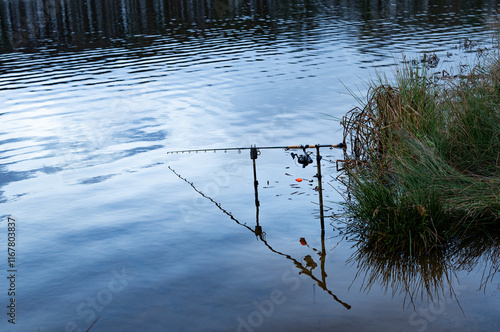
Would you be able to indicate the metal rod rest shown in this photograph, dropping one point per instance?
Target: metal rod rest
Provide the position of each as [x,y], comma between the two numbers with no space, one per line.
[320,189]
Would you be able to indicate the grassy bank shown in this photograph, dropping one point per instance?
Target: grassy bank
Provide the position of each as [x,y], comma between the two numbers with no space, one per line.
[423,166]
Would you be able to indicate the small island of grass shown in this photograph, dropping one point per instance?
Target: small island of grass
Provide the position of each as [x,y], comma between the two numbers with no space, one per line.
[423,164]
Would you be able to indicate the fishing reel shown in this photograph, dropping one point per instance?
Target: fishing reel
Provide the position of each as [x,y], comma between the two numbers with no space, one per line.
[303,159]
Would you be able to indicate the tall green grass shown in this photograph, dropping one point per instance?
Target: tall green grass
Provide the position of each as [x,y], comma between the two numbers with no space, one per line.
[424,165]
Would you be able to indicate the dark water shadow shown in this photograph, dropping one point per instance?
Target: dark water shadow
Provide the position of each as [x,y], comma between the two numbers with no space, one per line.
[74,25]
[432,277]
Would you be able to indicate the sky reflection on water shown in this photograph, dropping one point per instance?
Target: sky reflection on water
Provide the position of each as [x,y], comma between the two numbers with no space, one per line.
[94,93]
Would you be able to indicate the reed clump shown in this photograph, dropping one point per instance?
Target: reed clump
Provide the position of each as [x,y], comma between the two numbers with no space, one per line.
[423,166]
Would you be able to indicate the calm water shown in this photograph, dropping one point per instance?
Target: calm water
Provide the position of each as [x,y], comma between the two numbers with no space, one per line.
[94,94]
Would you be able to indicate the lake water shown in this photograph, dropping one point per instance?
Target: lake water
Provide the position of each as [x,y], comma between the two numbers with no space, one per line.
[94,94]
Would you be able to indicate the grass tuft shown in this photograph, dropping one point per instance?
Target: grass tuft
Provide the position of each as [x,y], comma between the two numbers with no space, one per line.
[424,160]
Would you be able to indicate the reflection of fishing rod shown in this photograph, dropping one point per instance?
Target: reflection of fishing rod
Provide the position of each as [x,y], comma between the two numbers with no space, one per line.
[291,147]
[258,232]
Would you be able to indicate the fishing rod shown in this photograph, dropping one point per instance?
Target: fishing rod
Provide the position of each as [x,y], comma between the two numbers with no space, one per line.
[304,159]
[291,147]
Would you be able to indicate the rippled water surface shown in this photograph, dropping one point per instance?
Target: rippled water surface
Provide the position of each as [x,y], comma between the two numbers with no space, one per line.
[109,226]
